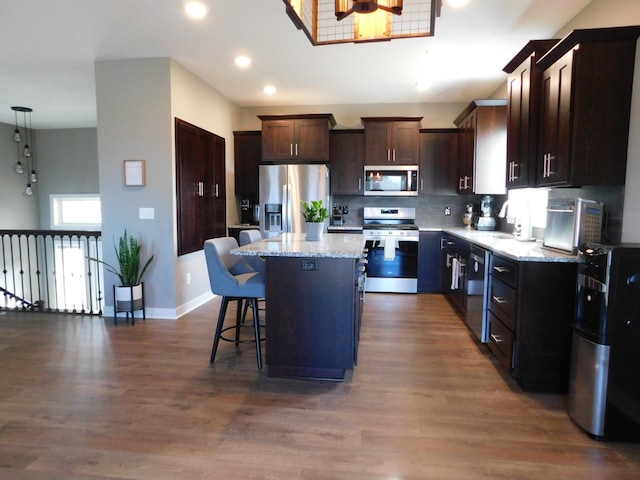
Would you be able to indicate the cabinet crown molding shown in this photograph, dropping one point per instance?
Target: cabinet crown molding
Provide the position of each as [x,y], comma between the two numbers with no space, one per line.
[589,35]
[302,116]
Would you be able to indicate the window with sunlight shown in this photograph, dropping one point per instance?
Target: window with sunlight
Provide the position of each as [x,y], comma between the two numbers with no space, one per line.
[76,212]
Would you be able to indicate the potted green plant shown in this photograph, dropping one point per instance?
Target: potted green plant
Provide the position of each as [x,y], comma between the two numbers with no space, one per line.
[129,294]
[315,214]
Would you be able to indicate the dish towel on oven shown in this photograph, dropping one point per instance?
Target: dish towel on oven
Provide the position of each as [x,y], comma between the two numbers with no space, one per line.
[455,273]
[389,248]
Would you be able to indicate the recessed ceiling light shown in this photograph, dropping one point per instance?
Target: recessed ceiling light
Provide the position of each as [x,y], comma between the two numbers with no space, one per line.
[196,10]
[269,89]
[242,61]
[457,3]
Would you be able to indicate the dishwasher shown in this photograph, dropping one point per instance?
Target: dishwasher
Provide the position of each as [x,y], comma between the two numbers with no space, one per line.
[477,292]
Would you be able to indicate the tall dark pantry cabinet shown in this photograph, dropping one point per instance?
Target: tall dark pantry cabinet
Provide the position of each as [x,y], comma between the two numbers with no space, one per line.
[200,186]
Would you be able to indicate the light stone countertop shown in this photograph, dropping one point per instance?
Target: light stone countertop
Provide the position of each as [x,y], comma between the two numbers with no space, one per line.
[245,226]
[332,245]
[506,244]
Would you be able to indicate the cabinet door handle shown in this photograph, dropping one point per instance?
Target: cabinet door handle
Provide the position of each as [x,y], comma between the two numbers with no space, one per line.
[460,180]
[216,191]
[394,155]
[500,269]
[296,149]
[549,171]
[201,189]
[388,155]
[359,184]
[496,338]
[498,300]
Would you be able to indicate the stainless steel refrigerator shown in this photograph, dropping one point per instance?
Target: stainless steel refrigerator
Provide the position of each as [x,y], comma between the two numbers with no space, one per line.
[282,190]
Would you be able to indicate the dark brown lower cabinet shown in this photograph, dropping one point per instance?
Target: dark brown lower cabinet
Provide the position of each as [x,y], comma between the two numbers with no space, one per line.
[313,317]
[200,186]
[531,309]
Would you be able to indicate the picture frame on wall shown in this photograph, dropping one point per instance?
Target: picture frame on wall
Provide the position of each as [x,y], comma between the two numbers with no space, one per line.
[135,173]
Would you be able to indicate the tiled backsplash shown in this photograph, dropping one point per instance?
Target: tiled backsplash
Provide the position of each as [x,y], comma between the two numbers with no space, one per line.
[430,209]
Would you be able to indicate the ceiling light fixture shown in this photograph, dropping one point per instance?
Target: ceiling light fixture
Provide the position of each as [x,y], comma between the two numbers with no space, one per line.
[196,10]
[457,3]
[27,151]
[270,90]
[242,61]
[342,21]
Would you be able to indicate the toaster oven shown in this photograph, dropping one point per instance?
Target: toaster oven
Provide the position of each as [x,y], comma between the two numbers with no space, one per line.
[571,222]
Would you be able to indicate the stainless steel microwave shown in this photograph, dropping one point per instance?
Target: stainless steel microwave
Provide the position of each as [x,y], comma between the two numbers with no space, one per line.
[391,180]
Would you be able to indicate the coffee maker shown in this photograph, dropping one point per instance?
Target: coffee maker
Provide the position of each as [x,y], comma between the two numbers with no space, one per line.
[246,212]
[485,220]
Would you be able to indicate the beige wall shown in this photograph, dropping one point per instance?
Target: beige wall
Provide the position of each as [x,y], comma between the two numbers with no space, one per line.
[198,103]
[435,115]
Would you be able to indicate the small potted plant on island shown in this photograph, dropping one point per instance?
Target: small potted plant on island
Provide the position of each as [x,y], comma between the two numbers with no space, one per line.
[315,215]
[129,295]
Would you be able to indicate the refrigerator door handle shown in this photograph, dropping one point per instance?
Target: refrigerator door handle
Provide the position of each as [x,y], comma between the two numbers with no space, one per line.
[286,208]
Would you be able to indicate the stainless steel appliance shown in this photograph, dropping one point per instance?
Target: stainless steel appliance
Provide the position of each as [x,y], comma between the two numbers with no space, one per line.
[477,292]
[391,240]
[571,222]
[282,190]
[486,221]
[604,391]
[336,216]
[391,180]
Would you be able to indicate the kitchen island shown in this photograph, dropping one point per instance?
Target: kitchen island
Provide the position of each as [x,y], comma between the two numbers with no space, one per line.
[314,295]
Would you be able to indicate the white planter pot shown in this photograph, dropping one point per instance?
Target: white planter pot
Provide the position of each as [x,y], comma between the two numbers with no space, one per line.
[314,231]
[129,298]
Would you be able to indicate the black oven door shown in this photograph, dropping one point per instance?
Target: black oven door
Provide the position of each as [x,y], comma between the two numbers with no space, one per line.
[401,263]
[392,265]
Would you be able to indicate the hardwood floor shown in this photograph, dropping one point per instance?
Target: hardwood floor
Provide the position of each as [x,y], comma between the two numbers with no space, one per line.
[83,399]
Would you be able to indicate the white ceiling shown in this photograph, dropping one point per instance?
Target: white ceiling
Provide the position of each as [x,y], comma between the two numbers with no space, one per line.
[48,49]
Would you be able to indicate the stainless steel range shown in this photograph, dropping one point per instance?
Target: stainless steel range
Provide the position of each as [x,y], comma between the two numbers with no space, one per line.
[391,239]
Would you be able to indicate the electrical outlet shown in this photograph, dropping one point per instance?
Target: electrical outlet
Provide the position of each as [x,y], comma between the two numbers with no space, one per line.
[345,209]
[447,211]
[188,279]
[308,265]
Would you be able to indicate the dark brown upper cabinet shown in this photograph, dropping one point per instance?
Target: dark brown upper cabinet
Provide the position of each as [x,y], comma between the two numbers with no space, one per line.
[200,186]
[391,140]
[482,147]
[523,90]
[346,149]
[247,154]
[438,161]
[296,138]
[585,108]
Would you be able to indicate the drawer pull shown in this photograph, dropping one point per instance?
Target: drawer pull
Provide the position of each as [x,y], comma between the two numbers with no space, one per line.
[498,300]
[496,338]
[499,269]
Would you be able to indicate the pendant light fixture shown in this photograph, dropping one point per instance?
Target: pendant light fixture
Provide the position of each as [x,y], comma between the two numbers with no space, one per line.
[27,151]
[366,6]
[341,21]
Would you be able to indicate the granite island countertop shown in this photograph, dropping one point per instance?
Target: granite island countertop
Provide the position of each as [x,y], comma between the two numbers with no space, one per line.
[332,245]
